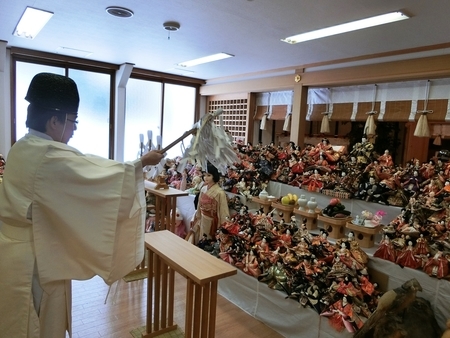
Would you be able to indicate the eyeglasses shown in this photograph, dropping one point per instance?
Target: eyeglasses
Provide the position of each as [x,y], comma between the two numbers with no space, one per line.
[74,121]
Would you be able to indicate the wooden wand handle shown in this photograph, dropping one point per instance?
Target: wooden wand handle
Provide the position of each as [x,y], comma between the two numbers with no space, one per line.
[182,137]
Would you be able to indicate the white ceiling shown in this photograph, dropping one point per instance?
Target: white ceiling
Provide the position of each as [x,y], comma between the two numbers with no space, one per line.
[249,29]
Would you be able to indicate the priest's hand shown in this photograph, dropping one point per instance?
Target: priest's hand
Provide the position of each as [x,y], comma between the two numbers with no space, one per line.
[152,157]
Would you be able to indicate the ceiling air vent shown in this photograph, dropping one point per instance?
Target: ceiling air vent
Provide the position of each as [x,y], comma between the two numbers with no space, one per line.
[120,12]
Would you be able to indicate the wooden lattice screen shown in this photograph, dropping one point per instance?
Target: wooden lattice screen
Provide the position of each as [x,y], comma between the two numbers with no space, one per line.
[235,117]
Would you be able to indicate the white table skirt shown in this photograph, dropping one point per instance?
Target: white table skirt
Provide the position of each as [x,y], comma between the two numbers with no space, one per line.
[286,316]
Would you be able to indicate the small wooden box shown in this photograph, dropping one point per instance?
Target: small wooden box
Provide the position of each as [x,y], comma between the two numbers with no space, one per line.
[265,204]
[334,226]
[311,217]
[363,235]
[286,210]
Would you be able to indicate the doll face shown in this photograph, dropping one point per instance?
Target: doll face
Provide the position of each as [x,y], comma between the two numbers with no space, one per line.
[208,178]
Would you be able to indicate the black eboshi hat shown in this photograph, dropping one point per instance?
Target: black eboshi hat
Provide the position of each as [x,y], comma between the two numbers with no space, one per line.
[53,91]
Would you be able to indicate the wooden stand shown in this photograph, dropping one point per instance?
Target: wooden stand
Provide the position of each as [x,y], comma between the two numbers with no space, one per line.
[311,217]
[363,235]
[286,210]
[168,254]
[334,226]
[265,204]
[165,205]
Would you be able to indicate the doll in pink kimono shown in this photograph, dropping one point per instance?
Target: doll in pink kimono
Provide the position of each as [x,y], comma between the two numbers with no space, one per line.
[180,226]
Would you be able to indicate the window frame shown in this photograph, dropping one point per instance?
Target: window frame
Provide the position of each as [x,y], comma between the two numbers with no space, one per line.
[67,62]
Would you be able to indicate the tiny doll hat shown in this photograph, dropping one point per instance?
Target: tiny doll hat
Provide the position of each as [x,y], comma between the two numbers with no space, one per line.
[53,91]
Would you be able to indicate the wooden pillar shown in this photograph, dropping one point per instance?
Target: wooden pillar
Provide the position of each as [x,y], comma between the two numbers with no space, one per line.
[299,110]
[416,147]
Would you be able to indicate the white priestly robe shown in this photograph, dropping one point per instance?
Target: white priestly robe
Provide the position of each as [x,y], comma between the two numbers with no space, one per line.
[65,216]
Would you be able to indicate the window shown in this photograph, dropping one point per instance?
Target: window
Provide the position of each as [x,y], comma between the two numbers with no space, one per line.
[92,134]
[179,108]
[143,107]
[146,103]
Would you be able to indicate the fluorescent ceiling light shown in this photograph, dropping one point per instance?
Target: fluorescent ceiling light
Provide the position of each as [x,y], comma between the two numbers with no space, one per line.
[347,27]
[177,69]
[31,22]
[205,59]
[73,52]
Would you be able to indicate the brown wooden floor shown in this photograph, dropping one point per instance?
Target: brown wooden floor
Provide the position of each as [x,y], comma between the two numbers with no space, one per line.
[125,311]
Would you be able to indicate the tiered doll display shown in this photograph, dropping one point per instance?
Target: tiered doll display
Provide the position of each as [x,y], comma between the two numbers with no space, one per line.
[416,238]
[332,278]
[308,268]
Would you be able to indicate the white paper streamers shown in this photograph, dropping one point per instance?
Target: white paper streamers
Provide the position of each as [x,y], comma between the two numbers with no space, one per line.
[211,144]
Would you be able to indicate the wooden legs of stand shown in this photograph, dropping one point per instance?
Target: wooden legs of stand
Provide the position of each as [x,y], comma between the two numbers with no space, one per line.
[201,301]
[201,310]
[165,213]
[160,297]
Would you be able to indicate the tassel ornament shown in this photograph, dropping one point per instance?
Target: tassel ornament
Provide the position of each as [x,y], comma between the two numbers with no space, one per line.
[325,126]
[370,126]
[263,121]
[422,128]
[287,123]
[437,141]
